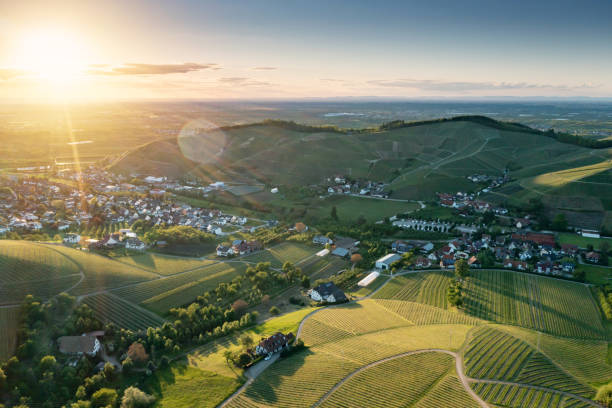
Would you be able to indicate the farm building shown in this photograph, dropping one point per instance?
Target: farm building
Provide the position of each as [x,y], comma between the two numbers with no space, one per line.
[223,250]
[322,240]
[590,233]
[79,345]
[385,262]
[135,244]
[368,279]
[273,344]
[327,292]
[341,252]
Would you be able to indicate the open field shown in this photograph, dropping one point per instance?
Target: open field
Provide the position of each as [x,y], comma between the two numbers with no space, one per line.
[351,208]
[163,264]
[102,272]
[9,322]
[550,305]
[582,242]
[279,254]
[110,308]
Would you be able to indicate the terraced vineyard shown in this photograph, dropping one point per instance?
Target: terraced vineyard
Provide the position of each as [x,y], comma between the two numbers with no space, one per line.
[395,383]
[163,264]
[9,321]
[550,305]
[110,308]
[496,355]
[163,294]
[279,254]
[102,272]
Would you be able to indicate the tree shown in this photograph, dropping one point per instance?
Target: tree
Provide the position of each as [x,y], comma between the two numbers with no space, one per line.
[244,359]
[334,213]
[604,395]
[228,356]
[239,307]
[2,379]
[559,222]
[104,397]
[246,341]
[604,247]
[462,268]
[109,371]
[127,364]
[356,258]
[135,398]
[305,282]
[47,363]
[275,311]
[137,353]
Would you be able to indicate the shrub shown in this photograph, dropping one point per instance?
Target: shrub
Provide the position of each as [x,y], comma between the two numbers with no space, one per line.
[275,311]
[104,397]
[135,398]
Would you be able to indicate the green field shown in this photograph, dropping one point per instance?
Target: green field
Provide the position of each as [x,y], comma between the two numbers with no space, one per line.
[9,321]
[351,208]
[279,254]
[110,308]
[163,264]
[582,242]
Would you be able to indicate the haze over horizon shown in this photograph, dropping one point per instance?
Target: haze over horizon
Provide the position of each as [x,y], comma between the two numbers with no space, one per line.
[288,49]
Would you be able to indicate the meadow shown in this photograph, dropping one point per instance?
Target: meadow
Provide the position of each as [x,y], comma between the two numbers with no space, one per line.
[582,242]
[281,253]
[163,264]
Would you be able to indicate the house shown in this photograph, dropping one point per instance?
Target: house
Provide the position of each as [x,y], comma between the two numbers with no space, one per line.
[592,257]
[569,249]
[348,243]
[135,244]
[447,262]
[514,264]
[386,261]
[322,240]
[327,292]
[79,345]
[239,246]
[422,262]
[223,250]
[473,262]
[253,246]
[273,344]
[400,246]
[72,239]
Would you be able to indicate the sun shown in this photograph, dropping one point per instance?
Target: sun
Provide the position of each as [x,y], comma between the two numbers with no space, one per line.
[52,55]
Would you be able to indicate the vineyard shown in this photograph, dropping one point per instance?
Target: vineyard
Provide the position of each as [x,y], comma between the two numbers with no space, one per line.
[13,293]
[545,304]
[163,264]
[163,294]
[9,321]
[102,272]
[24,261]
[394,383]
[497,355]
[110,308]
[524,397]
[279,254]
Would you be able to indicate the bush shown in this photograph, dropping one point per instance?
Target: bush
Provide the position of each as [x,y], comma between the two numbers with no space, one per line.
[104,397]
[604,395]
[275,311]
[135,398]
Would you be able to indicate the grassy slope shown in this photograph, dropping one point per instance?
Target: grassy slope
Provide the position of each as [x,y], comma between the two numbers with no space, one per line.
[163,264]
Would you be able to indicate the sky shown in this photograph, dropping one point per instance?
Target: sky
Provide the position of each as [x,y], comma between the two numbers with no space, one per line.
[286,49]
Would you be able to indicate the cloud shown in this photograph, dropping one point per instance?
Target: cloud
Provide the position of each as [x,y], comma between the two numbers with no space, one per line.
[460,86]
[153,69]
[264,68]
[242,81]
[8,73]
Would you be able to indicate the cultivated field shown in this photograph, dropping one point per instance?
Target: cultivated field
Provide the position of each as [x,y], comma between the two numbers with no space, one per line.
[279,254]
[25,261]
[163,264]
[496,355]
[102,272]
[524,397]
[426,287]
[161,295]
[550,305]
[110,308]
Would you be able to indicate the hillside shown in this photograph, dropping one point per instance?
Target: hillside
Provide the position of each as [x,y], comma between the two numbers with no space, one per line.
[416,159]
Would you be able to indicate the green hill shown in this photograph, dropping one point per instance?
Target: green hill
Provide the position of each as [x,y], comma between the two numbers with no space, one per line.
[415,159]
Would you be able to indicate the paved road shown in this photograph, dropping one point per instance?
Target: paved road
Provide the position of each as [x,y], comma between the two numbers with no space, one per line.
[251,374]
